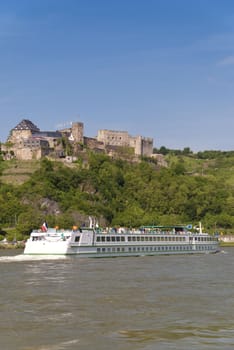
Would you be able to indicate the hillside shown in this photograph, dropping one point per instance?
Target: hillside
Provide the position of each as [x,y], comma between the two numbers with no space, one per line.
[17,172]
[193,188]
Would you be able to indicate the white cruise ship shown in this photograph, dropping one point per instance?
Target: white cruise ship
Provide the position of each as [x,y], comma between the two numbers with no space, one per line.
[90,242]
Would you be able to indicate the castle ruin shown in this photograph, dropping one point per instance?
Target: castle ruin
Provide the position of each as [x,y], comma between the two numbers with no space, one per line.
[142,146]
[26,141]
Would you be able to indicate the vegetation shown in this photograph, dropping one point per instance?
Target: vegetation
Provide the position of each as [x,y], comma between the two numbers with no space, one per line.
[193,188]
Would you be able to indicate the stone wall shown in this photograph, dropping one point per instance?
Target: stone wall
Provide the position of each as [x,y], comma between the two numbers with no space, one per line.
[93,143]
[29,153]
[17,135]
[113,138]
[227,238]
[143,146]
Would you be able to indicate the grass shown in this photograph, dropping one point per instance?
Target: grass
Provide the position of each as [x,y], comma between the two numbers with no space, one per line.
[16,172]
[226,244]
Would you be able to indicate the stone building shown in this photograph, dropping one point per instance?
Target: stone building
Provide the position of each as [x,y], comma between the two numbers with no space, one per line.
[143,146]
[26,141]
[75,133]
[23,130]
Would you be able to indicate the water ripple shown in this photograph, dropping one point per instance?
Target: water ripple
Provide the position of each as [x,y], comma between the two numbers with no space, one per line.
[175,333]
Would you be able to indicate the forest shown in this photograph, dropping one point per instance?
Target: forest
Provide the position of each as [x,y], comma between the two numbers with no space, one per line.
[192,188]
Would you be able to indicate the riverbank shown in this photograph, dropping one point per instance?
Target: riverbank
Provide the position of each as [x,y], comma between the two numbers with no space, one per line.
[226,244]
[18,245]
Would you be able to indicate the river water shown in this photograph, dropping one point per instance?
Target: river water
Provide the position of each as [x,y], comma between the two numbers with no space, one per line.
[151,303]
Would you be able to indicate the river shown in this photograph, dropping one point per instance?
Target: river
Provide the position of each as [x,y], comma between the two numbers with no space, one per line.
[151,303]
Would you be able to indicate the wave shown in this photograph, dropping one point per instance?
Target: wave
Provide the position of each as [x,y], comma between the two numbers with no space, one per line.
[23,258]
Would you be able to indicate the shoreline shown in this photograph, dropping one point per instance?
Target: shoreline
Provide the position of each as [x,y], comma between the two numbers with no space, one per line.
[227,244]
[12,245]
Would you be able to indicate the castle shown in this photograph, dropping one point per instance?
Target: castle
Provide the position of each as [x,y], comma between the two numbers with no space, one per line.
[26,141]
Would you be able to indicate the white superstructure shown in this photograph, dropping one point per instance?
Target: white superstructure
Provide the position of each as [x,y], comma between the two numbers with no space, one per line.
[89,242]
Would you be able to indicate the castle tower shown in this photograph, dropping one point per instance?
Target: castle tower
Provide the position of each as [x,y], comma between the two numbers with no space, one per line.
[23,130]
[78,132]
[143,146]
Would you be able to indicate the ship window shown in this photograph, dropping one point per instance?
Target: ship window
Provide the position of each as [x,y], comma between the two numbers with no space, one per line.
[122,239]
[98,250]
[77,238]
[138,238]
[108,238]
[103,239]
[98,239]
[133,238]
[113,239]
[129,238]
[103,249]
[118,239]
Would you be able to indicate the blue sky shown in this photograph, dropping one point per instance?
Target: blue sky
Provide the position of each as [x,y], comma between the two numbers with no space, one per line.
[156,68]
